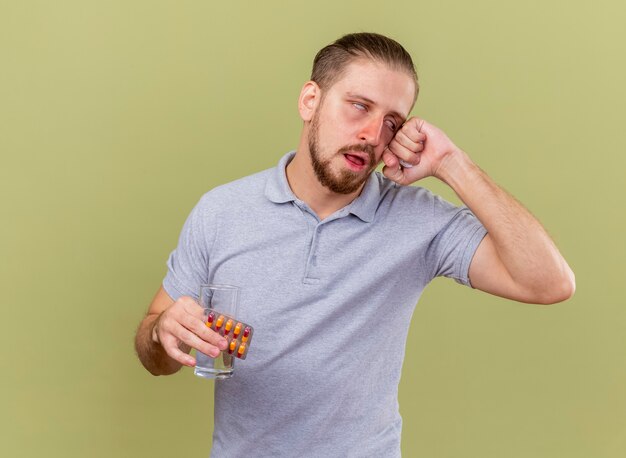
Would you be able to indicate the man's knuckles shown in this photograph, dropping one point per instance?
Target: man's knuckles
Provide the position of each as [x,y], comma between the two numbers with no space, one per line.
[187,302]
[411,133]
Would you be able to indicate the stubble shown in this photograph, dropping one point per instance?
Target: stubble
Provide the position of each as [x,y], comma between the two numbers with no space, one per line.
[343,181]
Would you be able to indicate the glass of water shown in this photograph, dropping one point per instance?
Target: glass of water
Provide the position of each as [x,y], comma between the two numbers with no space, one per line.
[223,299]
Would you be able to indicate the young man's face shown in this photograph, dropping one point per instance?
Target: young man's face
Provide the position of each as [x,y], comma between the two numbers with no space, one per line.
[356,121]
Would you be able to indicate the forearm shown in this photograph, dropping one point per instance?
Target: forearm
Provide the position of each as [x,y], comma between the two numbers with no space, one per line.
[150,352]
[524,247]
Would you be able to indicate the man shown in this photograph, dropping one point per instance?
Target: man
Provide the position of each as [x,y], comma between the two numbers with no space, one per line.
[332,258]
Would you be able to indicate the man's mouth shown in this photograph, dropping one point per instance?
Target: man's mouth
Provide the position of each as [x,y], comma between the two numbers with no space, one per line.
[356,161]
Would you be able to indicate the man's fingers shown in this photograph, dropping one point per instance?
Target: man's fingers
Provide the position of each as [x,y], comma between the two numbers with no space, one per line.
[182,325]
[410,138]
[192,317]
[413,131]
[199,328]
[392,168]
[211,337]
[402,152]
[390,159]
[189,338]
[405,141]
[171,348]
[394,174]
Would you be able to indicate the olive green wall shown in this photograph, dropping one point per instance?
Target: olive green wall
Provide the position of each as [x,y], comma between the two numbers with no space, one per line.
[115,116]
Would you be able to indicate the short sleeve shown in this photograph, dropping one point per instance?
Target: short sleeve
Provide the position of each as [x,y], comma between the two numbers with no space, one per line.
[451,251]
[188,264]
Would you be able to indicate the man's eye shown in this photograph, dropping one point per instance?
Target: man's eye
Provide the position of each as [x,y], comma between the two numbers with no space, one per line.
[360,106]
[391,125]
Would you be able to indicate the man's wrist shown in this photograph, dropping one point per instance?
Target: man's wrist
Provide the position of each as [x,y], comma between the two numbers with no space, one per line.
[456,168]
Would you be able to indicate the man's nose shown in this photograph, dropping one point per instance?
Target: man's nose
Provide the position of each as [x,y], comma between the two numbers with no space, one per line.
[371,131]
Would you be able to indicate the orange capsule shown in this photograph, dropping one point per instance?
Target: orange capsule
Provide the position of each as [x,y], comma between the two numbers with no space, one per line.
[246,333]
[231,347]
[241,350]
[210,318]
[219,322]
[237,330]
[228,327]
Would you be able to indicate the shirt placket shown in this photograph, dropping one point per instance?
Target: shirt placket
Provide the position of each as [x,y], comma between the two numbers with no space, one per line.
[313,270]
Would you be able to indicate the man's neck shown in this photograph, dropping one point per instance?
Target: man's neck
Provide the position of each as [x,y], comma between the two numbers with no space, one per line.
[306,187]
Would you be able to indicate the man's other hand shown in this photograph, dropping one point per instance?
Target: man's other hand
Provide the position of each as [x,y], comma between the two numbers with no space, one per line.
[181,327]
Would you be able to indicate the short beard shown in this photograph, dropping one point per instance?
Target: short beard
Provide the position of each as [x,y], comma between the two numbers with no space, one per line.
[347,182]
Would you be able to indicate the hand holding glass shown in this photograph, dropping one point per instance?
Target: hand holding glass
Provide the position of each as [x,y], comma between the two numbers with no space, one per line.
[224,299]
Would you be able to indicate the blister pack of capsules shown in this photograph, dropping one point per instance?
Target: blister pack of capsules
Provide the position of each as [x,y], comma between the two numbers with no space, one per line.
[237,333]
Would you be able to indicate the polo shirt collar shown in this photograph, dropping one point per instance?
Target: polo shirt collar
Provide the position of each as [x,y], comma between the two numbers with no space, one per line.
[277,188]
[364,206]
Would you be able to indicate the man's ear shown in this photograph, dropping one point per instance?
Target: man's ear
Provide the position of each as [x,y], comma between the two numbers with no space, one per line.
[310,96]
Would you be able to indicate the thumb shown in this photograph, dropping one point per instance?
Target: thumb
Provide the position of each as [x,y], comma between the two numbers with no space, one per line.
[392,169]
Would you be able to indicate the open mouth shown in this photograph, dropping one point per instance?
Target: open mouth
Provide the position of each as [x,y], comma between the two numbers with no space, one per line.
[356,162]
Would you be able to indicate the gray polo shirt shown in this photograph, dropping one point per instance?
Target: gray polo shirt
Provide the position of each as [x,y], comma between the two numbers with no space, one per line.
[331,302]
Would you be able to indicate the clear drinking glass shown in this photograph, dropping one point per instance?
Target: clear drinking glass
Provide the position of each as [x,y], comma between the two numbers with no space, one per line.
[224,299]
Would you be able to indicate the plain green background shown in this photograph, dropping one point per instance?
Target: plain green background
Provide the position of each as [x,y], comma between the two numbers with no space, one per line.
[116,116]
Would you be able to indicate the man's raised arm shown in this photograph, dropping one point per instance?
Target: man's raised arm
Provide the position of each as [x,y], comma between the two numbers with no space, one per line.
[517,259]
